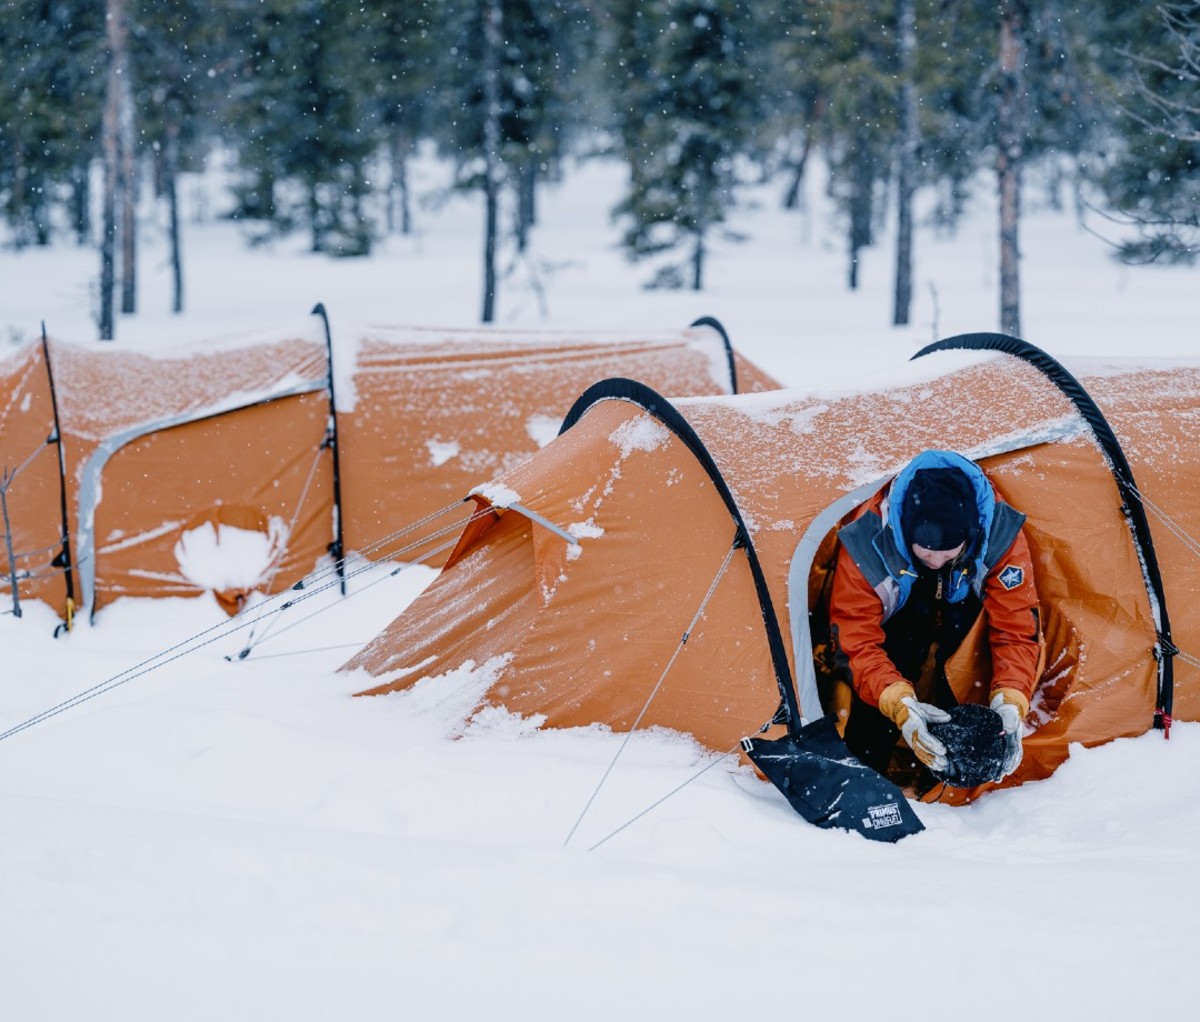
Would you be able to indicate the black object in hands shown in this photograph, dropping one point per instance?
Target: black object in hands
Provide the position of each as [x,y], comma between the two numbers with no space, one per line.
[975,746]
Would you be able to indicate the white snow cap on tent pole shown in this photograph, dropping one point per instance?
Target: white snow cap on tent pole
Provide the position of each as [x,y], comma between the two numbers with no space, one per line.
[501,496]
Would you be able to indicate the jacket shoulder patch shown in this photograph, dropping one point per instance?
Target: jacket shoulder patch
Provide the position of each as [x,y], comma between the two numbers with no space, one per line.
[1011,576]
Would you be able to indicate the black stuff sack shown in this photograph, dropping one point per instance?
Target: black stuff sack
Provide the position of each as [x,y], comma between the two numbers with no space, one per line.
[826,785]
[974,740]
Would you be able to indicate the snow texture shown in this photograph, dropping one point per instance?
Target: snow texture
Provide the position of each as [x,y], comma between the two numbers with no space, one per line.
[225,557]
[242,839]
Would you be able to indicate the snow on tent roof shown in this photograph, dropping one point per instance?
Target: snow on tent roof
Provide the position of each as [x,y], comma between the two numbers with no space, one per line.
[580,632]
[169,450]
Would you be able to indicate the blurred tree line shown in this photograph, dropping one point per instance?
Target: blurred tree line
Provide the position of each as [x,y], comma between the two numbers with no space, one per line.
[322,103]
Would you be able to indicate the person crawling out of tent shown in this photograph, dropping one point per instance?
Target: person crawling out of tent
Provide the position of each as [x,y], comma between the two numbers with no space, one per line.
[915,569]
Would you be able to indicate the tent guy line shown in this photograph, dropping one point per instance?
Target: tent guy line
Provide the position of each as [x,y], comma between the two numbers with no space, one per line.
[336,394]
[720,758]
[227,628]
[370,585]
[662,678]
[1171,525]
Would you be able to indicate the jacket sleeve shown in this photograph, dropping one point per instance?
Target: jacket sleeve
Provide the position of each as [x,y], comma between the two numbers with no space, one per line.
[856,614]
[1010,601]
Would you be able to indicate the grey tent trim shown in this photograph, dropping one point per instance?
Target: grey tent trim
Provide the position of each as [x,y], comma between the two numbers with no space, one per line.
[545,523]
[90,476]
[533,516]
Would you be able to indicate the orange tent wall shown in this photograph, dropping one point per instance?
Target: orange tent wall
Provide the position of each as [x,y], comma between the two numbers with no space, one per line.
[132,496]
[589,629]
[156,445]
[1156,414]
[30,464]
[261,469]
[584,632]
[436,412]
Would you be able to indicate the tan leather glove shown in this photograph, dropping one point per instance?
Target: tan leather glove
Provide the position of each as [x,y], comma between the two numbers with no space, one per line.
[1012,706]
[900,705]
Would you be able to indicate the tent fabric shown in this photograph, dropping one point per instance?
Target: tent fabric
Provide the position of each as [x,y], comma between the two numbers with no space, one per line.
[30,477]
[434,412]
[236,437]
[154,444]
[581,632]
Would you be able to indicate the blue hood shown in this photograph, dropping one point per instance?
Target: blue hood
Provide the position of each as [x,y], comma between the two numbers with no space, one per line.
[985,504]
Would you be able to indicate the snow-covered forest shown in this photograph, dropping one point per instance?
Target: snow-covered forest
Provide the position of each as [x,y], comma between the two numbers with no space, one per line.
[318,107]
[239,837]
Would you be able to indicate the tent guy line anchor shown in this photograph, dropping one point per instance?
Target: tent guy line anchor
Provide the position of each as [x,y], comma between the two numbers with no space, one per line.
[291,528]
[308,617]
[695,777]
[342,577]
[662,678]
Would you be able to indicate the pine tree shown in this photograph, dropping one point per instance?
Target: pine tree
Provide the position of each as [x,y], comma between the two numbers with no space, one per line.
[305,129]
[181,54]
[1154,180]
[50,100]
[402,37]
[505,104]
[698,115]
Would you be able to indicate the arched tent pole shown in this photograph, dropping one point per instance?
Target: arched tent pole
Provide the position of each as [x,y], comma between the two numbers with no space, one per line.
[1135,512]
[715,323]
[63,559]
[338,547]
[655,404]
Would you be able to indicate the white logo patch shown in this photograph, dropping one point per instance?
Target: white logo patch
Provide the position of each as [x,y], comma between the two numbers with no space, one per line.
[879,817]
[1011,576]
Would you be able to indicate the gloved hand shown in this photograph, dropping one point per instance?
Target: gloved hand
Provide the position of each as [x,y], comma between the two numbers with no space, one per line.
[900,705]
[1012,707]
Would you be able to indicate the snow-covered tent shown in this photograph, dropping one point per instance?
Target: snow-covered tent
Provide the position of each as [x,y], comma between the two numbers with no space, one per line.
[238,464]
[664,562]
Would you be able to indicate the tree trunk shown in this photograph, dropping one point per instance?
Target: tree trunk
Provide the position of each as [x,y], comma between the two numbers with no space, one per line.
[17,197]
[526,202]
[117,56]
[171,191]
[316,224]
[791,197]
[860,225]
[906,172]
[399,184]
[80,201]
[1010,137]
[128,192]
[492,39]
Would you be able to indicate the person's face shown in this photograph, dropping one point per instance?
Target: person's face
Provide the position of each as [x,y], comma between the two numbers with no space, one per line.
[936,559]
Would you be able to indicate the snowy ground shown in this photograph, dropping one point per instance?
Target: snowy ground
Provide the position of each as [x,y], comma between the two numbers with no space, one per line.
[240,839]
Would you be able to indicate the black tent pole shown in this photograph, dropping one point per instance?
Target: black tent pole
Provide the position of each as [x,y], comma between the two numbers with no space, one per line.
[63,560]
[715,323]
[1132,506]
[337,547]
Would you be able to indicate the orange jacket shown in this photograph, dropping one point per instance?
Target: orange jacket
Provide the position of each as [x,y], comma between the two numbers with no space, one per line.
[856,611]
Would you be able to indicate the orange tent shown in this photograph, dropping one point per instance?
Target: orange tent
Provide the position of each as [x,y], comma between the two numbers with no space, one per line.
[289,446]
[36,553]
[663,562]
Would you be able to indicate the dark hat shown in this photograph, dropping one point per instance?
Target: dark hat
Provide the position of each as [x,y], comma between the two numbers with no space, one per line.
[939,509]
[975,744]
